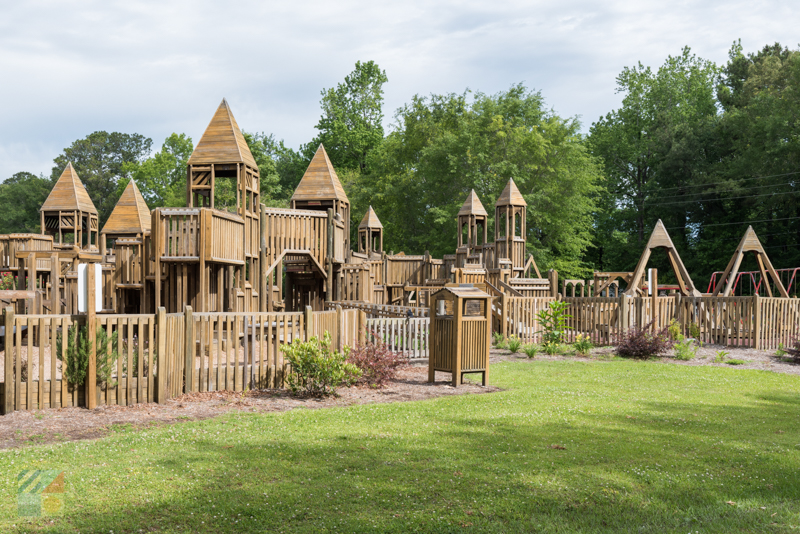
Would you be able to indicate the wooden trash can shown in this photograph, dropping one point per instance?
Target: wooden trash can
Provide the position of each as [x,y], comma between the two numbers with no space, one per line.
[461,332]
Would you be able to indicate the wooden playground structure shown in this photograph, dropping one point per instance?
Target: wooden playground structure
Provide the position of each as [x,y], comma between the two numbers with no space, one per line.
[202,297]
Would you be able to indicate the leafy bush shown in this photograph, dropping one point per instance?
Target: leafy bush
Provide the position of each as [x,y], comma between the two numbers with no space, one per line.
[377,363]
[674,330]
[694,332]
[78,348]
[552,348]
[513,344]
[316,369]
[530,350]
[781,352]
[733,361]
[553,321]
[685,349]
[794,352]
[583,344]
[499,340]
[720,356]
[642,344]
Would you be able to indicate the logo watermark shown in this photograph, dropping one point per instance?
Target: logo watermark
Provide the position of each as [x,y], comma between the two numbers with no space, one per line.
[40,493]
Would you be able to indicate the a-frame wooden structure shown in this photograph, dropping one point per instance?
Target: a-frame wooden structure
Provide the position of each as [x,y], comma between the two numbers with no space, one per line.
[68,209]
[749,243]
[473,216]
[659,238]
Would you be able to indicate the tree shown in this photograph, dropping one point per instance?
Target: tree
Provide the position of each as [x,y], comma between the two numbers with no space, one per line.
[654,149]
[445,145]
[162,177]
[352,118]
[265,151]
[100,160]
[21,197]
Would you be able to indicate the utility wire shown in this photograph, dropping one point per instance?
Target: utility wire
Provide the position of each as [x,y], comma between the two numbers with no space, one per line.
[726,181]
[721,199]
[717,191]
[732,223]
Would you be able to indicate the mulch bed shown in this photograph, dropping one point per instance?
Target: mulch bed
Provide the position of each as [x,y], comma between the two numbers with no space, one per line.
[23,428]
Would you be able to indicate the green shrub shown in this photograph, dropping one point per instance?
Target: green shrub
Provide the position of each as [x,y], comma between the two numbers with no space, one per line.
[674,330]
[553,321]
[499,340]
[694,332]
[75,369]
[513,344]
[781,352]
[685,349]
[583,344]
[316,369]
[530,350]
[552,348]
[720,356]
[733,361]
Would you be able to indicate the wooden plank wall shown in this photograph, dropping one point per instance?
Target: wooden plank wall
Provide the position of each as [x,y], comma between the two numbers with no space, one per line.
[401,270]
[296,230]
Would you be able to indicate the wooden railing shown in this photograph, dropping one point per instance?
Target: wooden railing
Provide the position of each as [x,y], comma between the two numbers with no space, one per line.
[226,237]
[409,337]
[296,230]
[380,310]
[401,270]
[177,233]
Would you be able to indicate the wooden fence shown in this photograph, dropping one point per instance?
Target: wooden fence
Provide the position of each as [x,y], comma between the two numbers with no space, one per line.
[409,337]
[757,322]
[380,310]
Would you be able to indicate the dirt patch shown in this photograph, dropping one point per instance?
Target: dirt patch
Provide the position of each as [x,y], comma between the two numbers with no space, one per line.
[24,428]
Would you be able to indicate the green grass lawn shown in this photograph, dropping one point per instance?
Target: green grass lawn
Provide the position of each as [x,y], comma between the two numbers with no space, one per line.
[568,447]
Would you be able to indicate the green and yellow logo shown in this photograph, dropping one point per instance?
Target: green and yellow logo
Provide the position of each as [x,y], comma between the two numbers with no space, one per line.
[40,492]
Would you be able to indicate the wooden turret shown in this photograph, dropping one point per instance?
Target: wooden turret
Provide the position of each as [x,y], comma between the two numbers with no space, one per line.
[131,216]
[320,190]
[370,234]
[69,210]
[473,216]
[509,228]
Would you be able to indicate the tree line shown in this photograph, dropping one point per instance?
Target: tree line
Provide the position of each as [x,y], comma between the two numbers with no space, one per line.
[709,149]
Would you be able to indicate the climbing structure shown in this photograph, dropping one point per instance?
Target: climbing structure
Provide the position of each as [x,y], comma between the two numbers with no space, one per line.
[509,229]
[750,243]
[370,235]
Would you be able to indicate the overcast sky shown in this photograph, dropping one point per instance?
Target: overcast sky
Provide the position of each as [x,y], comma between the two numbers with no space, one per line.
[70,68]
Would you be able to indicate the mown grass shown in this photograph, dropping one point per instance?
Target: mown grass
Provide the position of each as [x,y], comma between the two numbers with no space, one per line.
[568,447]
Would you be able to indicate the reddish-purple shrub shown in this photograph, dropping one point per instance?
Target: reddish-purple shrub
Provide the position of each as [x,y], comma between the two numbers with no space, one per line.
[642,343]
[378,364]
[794,351]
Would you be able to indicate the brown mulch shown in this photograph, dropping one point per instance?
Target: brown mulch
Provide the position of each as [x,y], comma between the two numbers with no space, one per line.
[23,428]
[760,360]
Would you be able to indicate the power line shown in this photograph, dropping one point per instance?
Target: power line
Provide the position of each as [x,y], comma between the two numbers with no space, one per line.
[721,199]
[657,199]
[741,222]
[726,181]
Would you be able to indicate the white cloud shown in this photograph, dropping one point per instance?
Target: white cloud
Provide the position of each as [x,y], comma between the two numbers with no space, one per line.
[160,67]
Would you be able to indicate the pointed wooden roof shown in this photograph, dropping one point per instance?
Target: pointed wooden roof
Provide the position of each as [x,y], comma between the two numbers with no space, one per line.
[320,181]
[222,142]
[68,194]
[473,206]
[370,220]
[659,238]
[131,214]
[749,243]
[511,196]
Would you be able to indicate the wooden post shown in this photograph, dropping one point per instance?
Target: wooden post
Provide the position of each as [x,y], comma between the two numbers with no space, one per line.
[8,315]
[188,347]
[331,225]
[31,282]
[624,322]
[161,325]
[459,332]
[654,298]
[757,329]
[504,314]
[264,289]
[309,318]
[55,282]
[553,275]
[339,328]
[362,327]
[91,329]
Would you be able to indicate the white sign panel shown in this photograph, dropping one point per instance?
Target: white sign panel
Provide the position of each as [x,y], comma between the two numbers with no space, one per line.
[83,287]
